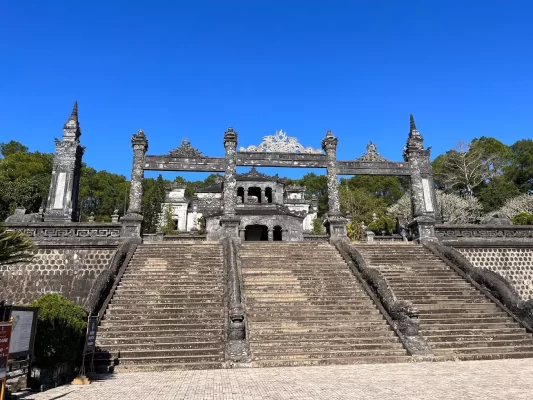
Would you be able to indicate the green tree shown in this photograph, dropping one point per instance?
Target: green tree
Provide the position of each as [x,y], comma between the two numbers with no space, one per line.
[153,197]
[520,170]
[24,178]
[60,331]
[101,193]
[12,147]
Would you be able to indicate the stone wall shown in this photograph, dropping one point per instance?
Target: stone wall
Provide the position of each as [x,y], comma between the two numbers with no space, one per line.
[72,271]
[515,264]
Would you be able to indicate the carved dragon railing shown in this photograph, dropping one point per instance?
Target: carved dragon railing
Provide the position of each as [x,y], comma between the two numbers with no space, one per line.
[401,314]
[495,286]
[237,345]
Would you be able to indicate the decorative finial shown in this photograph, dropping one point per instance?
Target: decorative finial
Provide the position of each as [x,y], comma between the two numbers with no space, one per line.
[230,129]
[74,114]
[328,133]
[412,125]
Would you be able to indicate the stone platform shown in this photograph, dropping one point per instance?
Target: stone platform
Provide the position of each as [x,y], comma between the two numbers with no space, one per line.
[500,379]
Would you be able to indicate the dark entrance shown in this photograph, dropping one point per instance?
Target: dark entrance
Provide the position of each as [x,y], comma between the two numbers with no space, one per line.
[255,233]
[278,236]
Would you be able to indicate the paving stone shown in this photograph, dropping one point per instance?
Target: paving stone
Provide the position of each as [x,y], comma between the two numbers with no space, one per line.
[501,379]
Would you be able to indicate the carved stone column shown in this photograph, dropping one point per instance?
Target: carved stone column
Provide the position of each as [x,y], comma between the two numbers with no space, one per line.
[263,196]
[133,218]
[270,235]
[230,223]
[336,222]
[62,204]
[423,197]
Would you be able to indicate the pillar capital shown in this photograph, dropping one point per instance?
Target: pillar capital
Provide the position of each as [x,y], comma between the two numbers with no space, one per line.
[139,141]
[230,137]
[329,142]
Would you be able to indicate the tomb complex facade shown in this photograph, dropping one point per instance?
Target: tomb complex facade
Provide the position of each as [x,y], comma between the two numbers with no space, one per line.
[241,281]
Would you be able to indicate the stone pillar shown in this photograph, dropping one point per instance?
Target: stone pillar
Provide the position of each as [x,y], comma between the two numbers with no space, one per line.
[245,197]
[263,196]
[336,222]
[229,221]
[423,197]
[131,222]
[62,204]
[270,235]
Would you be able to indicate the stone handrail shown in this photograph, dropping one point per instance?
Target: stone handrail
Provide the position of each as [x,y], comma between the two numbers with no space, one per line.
[237,345]
[404,316]
[492,284]
[118,266]
[68,230]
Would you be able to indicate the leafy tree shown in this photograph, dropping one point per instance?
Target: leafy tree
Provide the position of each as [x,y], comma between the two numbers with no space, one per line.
[168,226]
[12,147]
[60,331]
[360,204]
[101,193]
[24,178]
[14,247]
[382,224]
[520,170]
[463,168]
[153,197]
[388,188]
[318,228]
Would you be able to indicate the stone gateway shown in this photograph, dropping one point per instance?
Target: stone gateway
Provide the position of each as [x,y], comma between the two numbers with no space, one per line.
[242,282]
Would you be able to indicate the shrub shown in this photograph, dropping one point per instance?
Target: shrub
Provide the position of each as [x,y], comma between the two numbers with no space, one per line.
[318,228]
[354,230]
[60,331]
[382,224]
[523,218]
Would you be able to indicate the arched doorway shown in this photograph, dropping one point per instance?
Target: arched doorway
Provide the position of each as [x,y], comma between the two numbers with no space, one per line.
[256,233]
[278,234]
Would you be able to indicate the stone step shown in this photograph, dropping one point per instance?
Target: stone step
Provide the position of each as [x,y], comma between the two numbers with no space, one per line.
[275,348]
[172,315]
[324,341]
[475,319]
[174,307]
[472,325]
[481,343]
[216,352]
[305,309]
[176,330]
[331,361]
[167,367]
[159,323]
[467,313]
[162,342]
[464,332]
[259,355]
[309,324]
[151,360]
[483,349]
[330,335]
[183,291]
[295,316]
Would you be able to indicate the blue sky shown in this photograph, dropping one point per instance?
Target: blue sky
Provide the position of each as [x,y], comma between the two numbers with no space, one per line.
[192,68]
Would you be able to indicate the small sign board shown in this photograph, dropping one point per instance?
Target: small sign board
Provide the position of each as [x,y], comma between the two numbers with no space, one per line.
[92,328]
[5,335]
[23,332]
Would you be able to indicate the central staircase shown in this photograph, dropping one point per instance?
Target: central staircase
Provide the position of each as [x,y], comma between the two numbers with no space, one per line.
[305,307]
[168,310]
[457,320]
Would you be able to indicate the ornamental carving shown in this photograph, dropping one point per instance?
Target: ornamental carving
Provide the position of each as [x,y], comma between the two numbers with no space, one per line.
[255,174]
[371,154]
[185,150]
[280,143]
[85,232]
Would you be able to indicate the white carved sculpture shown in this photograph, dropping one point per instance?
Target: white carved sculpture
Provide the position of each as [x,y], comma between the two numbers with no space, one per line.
[280,143]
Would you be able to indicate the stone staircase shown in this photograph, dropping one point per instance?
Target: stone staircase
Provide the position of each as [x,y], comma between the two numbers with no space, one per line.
[305,307]
[168,310]
[457,320]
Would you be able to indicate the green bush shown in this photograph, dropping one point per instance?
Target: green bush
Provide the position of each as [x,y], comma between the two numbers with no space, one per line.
[382,224]
[60,331]
[354,231]
[523,218]
[318,228]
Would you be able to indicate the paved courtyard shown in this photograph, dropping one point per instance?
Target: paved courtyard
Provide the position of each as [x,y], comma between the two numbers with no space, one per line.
[504,379]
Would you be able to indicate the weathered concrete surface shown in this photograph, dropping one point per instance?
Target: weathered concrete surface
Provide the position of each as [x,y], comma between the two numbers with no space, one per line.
[502,379]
